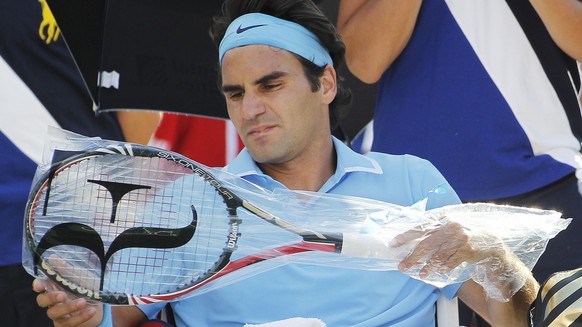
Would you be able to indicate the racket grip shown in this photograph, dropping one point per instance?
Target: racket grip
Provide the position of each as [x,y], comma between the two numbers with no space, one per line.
[369,246]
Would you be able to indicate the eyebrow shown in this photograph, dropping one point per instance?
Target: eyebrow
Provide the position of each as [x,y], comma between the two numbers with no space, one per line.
[269,77]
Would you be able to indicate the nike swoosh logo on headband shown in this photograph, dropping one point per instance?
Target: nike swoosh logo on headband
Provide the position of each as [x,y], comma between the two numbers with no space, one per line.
[241,29]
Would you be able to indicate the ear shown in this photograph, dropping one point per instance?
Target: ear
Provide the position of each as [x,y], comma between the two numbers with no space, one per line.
[328,84]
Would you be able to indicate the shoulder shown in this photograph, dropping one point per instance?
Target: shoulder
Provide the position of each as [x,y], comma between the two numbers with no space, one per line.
[398,179]
[408,162]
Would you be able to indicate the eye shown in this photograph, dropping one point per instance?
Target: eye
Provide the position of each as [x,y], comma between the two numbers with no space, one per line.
[234,96]
[271,86]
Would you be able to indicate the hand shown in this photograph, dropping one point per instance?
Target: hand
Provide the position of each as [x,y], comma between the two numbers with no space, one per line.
[63,308]
[442,247]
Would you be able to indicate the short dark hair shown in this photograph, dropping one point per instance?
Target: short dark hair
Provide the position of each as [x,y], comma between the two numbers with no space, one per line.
[307,14]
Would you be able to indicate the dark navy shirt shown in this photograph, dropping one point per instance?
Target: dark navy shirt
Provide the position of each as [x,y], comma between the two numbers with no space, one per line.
[40,87]
[482,92]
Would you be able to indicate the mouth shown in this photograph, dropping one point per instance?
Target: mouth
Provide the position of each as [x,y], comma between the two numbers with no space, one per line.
[260,130]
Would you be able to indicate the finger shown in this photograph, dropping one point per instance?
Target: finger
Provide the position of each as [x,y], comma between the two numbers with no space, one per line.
[422,248]
[52,298]
[417,232]
[441,262]
[39,285]
[406,237]
[71,313]
[444,240]
[76,320]
[454,248]
[73,273]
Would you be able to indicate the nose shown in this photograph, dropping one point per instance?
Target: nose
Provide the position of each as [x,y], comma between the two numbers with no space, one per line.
[252,106]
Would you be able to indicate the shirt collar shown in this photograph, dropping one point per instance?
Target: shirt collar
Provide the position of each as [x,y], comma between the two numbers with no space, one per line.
[348,161]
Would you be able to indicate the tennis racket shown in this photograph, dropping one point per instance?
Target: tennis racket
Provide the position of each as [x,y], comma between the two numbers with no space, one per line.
[132,224]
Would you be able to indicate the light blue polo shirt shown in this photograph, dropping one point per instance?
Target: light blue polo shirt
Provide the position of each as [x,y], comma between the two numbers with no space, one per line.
[338,296]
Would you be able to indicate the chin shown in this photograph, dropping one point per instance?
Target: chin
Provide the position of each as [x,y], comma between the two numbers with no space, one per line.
[265,156]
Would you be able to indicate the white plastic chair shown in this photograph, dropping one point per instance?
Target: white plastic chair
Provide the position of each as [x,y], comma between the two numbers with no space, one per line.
[447,312]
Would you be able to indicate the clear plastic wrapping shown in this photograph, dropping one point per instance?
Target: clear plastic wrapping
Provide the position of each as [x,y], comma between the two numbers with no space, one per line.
[376,235]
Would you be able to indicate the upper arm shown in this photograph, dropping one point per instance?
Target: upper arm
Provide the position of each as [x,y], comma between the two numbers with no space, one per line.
[563,20]
[138,126]
[375,33]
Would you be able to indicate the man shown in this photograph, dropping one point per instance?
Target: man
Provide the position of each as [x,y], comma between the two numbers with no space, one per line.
[487,92]
[277,61]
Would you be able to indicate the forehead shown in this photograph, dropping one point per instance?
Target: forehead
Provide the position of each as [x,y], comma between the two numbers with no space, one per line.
[258,58]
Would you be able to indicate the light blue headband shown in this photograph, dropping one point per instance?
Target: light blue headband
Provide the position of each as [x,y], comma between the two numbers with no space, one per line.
[258,28]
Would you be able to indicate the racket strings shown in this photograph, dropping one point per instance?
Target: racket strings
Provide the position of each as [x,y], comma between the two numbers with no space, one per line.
[166,204]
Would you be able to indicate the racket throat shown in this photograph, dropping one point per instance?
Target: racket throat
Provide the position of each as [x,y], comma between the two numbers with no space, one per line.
[323,242]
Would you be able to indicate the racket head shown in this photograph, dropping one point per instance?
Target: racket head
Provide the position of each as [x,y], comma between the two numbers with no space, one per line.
[129,224]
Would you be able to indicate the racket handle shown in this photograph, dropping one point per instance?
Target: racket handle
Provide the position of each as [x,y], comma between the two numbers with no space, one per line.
[370,246]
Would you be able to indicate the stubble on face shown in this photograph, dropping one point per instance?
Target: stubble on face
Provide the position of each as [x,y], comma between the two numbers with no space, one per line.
[280,118]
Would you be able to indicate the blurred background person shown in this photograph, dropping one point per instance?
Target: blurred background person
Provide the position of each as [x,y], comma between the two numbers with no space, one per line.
[39,87]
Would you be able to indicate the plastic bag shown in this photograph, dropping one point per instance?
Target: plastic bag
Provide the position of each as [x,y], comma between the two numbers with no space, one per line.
[376,235]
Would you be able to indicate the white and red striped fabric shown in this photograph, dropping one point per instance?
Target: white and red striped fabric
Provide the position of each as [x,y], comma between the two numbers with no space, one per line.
[209,141]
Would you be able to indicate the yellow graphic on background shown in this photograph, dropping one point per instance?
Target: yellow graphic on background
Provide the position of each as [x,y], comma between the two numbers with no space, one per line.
[48,24]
